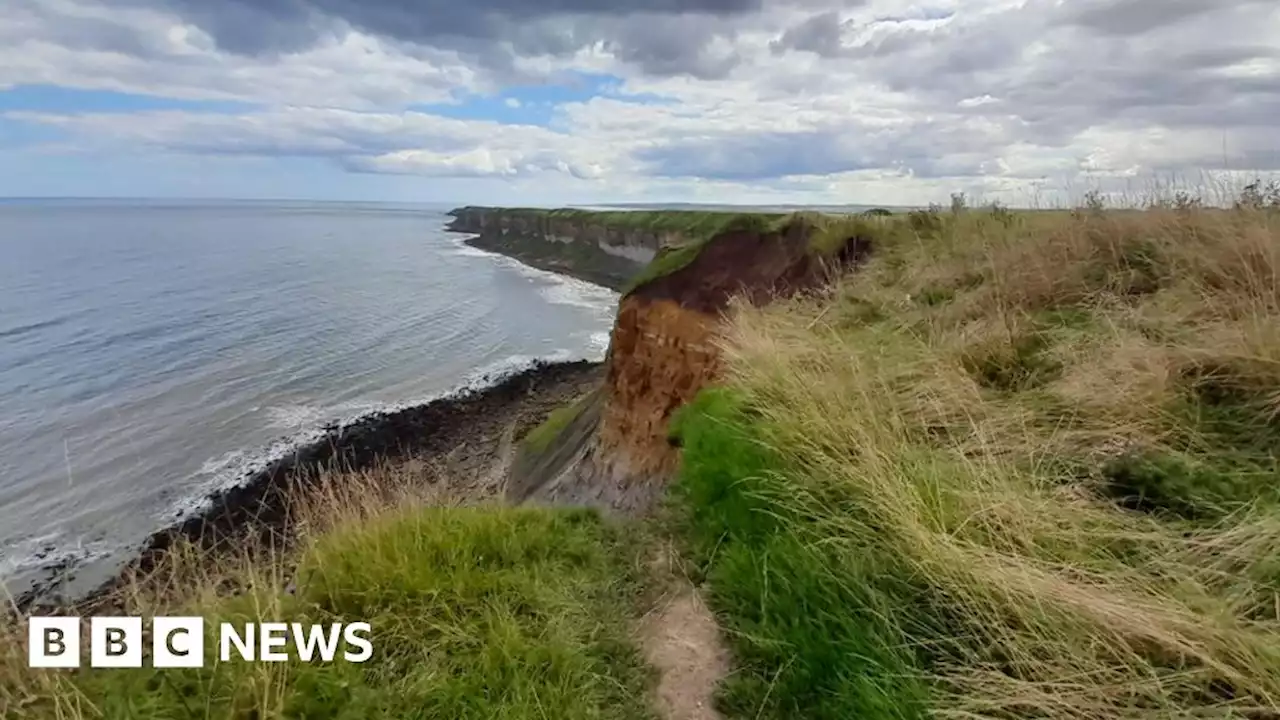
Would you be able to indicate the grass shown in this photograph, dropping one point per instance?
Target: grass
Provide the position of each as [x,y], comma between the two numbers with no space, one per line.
[476,612]
[701,229]
[691,225]
[666,262]
[540,438]
[1020,465]
[829,236]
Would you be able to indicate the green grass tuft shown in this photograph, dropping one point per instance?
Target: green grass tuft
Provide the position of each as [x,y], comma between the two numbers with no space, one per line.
[813,633]
[476,612]
[696,234]
[540,438]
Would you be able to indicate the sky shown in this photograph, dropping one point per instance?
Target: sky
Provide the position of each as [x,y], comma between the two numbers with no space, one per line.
[545,102]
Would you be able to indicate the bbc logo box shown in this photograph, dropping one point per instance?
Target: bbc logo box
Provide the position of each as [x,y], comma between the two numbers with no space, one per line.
[115,642]
[179,642]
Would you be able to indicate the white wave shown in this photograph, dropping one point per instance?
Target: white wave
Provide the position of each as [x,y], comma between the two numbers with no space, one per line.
[295,417]
[308,424]
[500,370]
[303,424]
[572,291]
[461,249]
[235,467]
[51,550]
[557,289]
[599,344]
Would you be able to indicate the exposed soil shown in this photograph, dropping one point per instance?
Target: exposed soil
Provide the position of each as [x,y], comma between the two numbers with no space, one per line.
[663,351]
[618,456]
[681,640]
[470,434]
[754,265]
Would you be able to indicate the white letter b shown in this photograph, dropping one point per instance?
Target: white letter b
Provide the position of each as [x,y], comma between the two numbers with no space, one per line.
[115,642]
[53,642]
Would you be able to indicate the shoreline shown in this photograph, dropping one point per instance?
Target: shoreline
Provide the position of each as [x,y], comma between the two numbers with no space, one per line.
[596,267]
[470,423]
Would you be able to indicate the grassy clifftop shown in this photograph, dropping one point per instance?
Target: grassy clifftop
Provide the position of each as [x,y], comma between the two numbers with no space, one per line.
[609,248]
[693,223]
[1022,465]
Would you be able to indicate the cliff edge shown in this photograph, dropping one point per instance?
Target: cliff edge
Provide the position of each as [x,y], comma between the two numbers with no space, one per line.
[606,248]
[611,449]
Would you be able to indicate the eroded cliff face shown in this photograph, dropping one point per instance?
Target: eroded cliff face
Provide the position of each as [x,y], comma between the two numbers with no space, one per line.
[578,244]
[664,349]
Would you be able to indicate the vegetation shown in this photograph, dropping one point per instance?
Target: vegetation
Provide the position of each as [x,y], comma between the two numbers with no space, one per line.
[540,437]
[694,225]
[476,612]
[673,258]
[667,261]
[1020,465]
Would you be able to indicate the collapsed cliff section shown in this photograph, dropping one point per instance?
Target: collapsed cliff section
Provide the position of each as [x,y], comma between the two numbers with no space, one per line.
[614,452]
[606,248]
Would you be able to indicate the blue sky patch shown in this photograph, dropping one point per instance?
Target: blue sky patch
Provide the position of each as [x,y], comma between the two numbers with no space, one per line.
[19,134]
[74,101]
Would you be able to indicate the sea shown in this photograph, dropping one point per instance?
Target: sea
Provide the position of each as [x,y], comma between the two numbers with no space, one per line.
[154,352]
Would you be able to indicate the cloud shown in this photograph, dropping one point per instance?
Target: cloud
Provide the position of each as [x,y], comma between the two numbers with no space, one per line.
[140,50]
[877,99]
[1129,17]
[658,36]
[820,34]
[759,156]
[395,143]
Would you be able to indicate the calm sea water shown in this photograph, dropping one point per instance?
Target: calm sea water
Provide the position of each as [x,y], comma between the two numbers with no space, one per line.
[150,353]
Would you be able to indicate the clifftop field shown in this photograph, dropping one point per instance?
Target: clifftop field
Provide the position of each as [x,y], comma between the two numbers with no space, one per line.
[1016,465]
[1021,465]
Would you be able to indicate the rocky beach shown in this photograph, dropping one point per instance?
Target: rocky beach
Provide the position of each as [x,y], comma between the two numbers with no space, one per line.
[467,435]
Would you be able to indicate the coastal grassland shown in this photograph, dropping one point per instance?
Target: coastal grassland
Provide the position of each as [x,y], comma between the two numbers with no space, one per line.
[673,258]
[476,611]
[691,224]
[1020,465]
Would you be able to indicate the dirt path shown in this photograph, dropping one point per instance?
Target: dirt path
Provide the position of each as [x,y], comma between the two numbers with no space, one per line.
[682,641]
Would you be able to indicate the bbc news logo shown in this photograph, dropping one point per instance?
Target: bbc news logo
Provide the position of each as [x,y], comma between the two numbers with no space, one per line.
[178,642]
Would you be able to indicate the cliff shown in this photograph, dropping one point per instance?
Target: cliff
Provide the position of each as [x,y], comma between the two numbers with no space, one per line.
[606,248]
[614,452]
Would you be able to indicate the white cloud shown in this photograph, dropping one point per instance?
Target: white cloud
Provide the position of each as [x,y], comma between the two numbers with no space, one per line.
[104,47]
[886,101]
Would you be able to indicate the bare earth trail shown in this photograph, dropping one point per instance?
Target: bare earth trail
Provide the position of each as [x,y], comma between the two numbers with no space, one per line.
[681,640]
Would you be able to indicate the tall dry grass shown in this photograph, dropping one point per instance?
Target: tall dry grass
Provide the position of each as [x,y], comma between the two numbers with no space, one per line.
[190,578]
[968,410]
[477,611]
